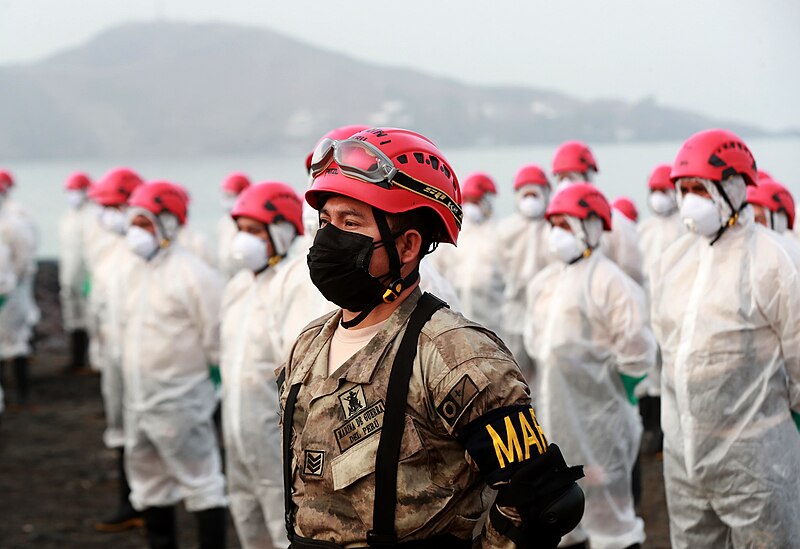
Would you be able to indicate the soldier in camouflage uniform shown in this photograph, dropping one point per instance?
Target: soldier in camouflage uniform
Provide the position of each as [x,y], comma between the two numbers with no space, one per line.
[396,412]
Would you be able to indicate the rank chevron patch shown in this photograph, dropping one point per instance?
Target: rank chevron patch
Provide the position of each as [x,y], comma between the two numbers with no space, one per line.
[314,462]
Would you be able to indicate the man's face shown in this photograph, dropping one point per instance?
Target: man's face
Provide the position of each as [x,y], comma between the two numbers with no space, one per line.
[760,214]
[693,186]
[255,228]
[354,216]
[143,223]
[560,221]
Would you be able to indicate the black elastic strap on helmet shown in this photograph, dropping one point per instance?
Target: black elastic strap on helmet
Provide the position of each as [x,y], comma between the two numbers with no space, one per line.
[732,219]
[587,252]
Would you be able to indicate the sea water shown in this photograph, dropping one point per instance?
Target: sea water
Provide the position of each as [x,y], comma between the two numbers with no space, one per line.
[624,168]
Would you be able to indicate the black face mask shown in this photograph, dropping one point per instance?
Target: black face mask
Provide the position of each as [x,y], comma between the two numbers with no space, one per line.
[339,266]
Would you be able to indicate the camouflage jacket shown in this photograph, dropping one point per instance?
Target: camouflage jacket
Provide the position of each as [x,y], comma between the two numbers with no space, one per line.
[461,371]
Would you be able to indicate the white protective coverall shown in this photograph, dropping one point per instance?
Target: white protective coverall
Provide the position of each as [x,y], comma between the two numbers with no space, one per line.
[27,224]
[226,232]
[523,249]
[621,245]
[197,243]
[170,335]
[104,322]
[656,234]
[727,318]
[8,280]
[250,412]
[19,312]
[586,324]
[475,272]
[72,269]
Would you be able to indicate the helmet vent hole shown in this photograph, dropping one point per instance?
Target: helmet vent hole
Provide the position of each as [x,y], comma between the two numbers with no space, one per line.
[419,157]
[402,159]
[434,162]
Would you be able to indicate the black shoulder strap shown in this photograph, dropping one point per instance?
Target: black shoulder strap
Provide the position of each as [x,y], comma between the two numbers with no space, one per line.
[288,421]
[388,456]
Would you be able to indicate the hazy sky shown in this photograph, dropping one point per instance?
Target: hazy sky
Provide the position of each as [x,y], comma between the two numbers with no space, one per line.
[733,59]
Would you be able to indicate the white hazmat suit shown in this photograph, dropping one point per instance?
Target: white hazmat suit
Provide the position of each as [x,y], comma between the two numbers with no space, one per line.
[226,231]
[522,244]
[250,411]
[170,336]
[8,280]
[621,245]
[72,269]
[727,318]
[586,326]
[18,312]
[475,272]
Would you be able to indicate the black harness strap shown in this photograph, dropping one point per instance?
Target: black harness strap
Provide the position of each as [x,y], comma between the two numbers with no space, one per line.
[388,455]
[288,421]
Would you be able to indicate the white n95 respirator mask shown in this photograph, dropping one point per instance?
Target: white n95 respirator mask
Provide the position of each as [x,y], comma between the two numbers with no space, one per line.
[700,215]
[250,251]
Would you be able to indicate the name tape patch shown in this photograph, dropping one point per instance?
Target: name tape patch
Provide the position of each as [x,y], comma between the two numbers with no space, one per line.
[459,397]
[359,427]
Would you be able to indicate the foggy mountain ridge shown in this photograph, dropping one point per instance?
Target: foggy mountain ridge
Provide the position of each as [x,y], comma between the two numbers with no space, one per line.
[184,89]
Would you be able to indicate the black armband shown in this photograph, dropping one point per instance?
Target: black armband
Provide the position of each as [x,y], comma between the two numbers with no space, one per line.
[503,440]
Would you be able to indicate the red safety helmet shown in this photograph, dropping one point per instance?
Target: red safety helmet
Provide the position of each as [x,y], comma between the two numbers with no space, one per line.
[424,178]
[775,197]
[530,174]
[115,187]
[659,178]
[626,207]
[235,183]
[77,181]
[763,176]
[338,134]
[270,202]
[715,155]
[580,200]
[6,180]
[158,197]
[574,156]
[478,184]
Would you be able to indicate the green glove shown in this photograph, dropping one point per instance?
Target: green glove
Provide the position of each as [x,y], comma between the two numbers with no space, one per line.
[214,374]
[2,300]
[630,383]
[87,285]
[796,418]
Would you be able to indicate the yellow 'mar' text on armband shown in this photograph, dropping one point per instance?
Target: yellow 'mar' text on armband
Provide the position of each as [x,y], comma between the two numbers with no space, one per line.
[514,447]
[504,439]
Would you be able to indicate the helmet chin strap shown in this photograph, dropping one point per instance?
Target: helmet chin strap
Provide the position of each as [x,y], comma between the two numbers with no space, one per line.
[732,219]
[398,284]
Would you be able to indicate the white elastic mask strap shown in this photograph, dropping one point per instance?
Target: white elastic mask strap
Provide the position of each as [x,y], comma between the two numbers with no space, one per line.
[282,234]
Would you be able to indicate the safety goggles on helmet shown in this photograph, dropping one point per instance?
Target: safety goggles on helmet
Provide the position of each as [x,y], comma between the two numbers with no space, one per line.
[365,162]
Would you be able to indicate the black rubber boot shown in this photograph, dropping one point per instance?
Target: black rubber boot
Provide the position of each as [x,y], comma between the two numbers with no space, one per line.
[23,377]
[211,525]
[159,522]
[79,352]
[653,437]
[125,517]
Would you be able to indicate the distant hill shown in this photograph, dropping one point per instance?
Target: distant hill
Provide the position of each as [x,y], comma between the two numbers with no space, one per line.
[184,89]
